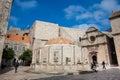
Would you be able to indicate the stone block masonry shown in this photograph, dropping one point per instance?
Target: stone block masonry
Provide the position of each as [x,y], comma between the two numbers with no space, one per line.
[5,6]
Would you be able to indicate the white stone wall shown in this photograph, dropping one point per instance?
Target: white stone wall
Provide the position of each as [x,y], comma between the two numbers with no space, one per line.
[115,23]
[45,30]
[5,6]
[71,33]
[19,50]
[46,58]
[100,46]
[117,45]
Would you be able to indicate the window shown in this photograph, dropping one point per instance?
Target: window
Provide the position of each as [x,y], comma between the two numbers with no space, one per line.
[38,57]
[56,56]
[92,38]
[8,36]
[22,38]
[23,48]
[15,47]
[80,39]
[68,60]
[6,45]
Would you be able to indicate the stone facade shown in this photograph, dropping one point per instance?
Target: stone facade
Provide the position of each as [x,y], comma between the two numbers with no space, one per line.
[115,23]
[48,38]
[19,31]
[41,32]
[18,40]
[96,47]
[81,47]
[5,6]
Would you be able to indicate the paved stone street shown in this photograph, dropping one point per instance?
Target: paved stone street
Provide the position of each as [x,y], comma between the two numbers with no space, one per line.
[21,74]
[110,74]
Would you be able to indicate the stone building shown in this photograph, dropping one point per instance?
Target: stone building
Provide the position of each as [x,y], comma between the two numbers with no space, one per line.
[18,40]
[19,31]
[115,23]
[55,48]
[98,46]
[5,6]
[64,49]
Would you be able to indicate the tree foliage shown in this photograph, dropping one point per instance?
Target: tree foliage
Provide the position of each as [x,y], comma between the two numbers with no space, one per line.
[26,56]
[8,53]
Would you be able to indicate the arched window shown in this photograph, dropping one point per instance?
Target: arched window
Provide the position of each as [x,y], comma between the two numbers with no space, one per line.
[80,39]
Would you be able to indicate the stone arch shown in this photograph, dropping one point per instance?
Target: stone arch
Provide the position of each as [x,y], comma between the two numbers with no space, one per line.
[92,56]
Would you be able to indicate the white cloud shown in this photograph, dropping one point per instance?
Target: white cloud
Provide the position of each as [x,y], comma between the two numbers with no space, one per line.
[95,14]
[109,5]
[26,4]
[73,10]
[105,22]
[84,16]
[14,20]
[85,26]
[99,15]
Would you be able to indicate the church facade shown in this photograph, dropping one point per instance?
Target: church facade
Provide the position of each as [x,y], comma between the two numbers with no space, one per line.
[61,49]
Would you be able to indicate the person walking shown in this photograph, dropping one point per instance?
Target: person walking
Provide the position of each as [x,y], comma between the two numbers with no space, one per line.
[16,66]
[103,64]
[93,66]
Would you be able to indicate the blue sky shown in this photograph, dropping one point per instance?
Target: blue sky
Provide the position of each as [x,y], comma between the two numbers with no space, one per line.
[68,13]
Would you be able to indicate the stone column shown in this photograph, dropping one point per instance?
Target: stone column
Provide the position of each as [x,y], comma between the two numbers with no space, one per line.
[74,55]
[39,55]
[48,55]
[5,6]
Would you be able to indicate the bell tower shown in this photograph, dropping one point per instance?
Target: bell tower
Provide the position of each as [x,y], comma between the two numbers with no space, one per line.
[115,24]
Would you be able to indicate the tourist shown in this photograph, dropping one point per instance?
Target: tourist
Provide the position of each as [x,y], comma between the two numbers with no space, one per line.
[16,66]
[103,64]
[93,66]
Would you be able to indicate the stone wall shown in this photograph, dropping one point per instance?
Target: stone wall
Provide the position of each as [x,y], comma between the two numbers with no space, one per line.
[13,30]
[71,33]
[41,32]
[45,30]
[20,46]
[115,23]
[117,45]
[96,46]
[5,6]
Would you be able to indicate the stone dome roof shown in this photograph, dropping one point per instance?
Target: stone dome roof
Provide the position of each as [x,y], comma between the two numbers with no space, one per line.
[59,40]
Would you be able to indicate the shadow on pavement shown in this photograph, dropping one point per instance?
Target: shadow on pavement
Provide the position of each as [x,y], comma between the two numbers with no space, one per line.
[53,78]
[86,72]
[7,69]
[65,77]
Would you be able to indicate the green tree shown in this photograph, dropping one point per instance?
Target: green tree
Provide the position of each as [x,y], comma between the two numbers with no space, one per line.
[26,56]
[8,53]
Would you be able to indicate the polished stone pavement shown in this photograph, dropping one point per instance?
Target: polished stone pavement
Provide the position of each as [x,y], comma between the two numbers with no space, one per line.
[109,74]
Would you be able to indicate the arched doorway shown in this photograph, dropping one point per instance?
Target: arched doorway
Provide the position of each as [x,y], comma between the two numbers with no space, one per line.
[93,56]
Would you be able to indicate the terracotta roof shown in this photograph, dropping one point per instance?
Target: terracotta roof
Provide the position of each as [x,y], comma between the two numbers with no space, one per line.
[59,40]
[19,38]
[115,15]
